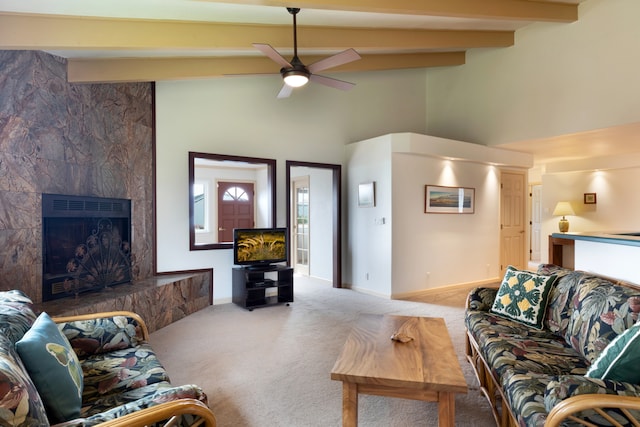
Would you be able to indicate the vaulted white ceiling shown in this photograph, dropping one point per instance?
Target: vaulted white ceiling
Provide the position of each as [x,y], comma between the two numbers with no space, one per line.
[150,40]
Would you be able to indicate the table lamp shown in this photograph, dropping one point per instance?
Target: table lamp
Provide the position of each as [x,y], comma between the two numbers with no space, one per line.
[563,208]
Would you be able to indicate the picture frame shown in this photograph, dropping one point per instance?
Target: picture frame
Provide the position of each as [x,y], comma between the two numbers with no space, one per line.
[590,198]
[367,195]
[450,200]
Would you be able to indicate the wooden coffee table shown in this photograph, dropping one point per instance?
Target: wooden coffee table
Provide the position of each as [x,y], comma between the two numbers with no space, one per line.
[425,368]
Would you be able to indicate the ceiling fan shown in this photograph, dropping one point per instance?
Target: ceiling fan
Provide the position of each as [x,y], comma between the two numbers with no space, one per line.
[296,74]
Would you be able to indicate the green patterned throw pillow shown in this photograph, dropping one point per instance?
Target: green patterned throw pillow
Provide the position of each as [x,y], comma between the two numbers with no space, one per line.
[620,359]
[523,296]
[53,367]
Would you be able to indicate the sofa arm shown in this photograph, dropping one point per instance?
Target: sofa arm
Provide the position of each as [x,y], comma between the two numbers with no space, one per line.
[617,410]
[101,332]
[481,299]
[182,412]
[593,400]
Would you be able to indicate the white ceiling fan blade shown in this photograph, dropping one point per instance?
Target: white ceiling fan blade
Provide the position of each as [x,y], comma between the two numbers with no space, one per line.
[341,58]
[272,53]
[328,81]
[285,92]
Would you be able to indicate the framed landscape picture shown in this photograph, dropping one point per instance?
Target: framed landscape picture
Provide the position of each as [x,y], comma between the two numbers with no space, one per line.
[439,199]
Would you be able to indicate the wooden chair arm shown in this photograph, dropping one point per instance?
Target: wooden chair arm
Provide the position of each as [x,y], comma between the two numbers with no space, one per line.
[165,411]
[106,314]
[567,409]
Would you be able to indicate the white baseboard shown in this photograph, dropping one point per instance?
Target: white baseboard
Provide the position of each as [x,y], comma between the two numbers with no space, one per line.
[366,291]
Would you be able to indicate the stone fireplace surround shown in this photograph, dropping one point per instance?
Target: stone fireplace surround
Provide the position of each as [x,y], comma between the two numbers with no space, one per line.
[89,140]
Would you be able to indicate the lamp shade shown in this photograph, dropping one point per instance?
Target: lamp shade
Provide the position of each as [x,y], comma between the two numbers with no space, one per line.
[562,209]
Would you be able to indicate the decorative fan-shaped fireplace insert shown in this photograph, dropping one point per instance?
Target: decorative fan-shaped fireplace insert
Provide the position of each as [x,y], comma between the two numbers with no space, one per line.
[85,244]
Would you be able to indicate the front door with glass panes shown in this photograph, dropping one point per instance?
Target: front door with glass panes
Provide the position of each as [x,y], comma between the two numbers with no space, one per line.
[235,208]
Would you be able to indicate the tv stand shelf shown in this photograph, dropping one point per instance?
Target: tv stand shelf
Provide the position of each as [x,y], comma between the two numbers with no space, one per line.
[261,287]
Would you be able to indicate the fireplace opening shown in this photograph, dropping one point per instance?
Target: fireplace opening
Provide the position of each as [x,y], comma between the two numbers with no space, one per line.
[85,244]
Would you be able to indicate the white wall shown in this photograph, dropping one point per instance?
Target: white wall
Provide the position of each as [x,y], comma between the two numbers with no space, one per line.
[411,251]
[434,250]
[369,246]
[241,116]
[556,79]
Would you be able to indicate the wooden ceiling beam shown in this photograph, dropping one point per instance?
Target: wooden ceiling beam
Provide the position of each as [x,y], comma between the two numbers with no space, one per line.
[524,10]
[40,32]
[156,69]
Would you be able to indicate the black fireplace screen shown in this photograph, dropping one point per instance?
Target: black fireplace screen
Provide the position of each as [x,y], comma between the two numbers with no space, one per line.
[86,244]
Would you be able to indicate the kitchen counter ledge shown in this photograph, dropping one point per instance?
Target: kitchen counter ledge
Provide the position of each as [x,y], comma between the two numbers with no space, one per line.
[628,238]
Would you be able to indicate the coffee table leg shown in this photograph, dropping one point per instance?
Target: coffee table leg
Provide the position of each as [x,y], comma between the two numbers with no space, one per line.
[446,409]
[349,404]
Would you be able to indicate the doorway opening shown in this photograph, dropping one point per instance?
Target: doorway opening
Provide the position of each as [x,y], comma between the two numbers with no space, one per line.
[327,219]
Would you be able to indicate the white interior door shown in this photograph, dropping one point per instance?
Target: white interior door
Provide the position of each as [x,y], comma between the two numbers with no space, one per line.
[301,225]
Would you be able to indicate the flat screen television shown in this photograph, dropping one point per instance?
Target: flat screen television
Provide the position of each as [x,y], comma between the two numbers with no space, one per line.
[260,247]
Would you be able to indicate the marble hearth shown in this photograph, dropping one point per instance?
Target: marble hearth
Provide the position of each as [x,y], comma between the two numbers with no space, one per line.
[160,300]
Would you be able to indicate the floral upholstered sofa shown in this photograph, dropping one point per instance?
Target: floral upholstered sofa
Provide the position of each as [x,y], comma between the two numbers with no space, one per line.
[557,347]
[88,370]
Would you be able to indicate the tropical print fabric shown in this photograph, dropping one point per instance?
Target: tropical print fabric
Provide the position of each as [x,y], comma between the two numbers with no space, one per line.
[523,296]
[127,403]
[20,403]
[601,312]
[96,336]
[119,371]
[537,368]
[561,307]
[16,314]
[481,299]
[506,345]
[525,393]
[566,386]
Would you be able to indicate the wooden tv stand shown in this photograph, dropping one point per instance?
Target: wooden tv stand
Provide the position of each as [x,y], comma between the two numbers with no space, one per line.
[259,287]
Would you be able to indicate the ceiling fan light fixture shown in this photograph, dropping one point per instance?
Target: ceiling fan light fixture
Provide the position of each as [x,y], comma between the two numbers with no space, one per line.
[296,78]
[295,74]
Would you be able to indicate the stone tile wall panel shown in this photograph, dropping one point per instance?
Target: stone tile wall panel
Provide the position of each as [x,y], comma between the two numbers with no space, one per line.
[63,138]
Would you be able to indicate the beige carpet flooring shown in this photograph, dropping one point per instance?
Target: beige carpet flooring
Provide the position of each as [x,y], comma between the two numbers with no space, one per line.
[271,366]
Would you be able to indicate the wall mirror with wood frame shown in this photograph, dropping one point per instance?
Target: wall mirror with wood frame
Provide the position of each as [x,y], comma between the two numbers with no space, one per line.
[227,192]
